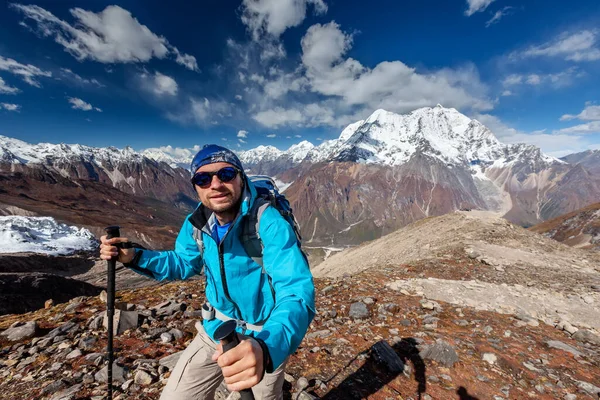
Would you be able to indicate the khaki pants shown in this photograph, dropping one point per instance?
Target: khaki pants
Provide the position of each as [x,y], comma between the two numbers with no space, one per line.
[196,376]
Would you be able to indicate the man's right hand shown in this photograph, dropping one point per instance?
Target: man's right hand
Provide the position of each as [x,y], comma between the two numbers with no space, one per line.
[108,250]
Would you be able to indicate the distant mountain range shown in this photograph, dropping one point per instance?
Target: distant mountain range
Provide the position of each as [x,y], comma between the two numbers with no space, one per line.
[380,174]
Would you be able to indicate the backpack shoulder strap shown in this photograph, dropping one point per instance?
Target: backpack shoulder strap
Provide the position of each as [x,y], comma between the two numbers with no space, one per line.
[250,236]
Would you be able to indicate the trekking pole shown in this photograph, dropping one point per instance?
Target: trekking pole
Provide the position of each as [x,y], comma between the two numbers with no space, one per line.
[111,232]
[229,339]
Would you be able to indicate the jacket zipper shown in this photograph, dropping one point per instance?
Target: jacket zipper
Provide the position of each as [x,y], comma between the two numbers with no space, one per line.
[222,268]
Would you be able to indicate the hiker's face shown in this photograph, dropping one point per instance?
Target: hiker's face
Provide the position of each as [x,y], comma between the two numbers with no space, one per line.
[220,196]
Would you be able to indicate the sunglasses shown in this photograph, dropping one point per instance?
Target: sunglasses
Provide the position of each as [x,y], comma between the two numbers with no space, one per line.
[204,179]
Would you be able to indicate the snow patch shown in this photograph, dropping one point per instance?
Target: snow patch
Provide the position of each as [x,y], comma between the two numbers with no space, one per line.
[42,235]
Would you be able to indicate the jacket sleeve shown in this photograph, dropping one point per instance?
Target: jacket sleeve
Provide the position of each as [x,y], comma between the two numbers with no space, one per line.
[181,263]
[294,289]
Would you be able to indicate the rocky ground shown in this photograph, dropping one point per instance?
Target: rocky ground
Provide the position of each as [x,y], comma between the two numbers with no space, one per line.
[484,310]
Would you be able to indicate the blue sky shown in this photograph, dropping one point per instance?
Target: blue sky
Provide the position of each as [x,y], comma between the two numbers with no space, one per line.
[274,72]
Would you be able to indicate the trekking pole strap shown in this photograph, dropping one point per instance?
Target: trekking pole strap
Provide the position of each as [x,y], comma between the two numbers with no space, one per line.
[209,313]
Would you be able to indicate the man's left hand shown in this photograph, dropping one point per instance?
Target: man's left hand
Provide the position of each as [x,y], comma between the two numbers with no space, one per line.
[242,366]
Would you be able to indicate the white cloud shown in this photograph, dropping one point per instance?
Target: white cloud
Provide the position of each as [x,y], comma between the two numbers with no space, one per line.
[10,107]
[110,36]
[159,84]
[498,16]
[589,113]
[477,6]
[556,144]
[241,140]
[557,80]
[507,93]
[242,134]
[27,72]
[391,85]
[582,129]
[272,135]
[67,73]
[238,97]
[273,17]
[201,112]
[177,153]
[79,104]
[297,136]
[278,117]
[578,46]
[5,88]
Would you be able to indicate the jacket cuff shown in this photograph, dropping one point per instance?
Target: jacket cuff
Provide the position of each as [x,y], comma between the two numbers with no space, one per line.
[267,362]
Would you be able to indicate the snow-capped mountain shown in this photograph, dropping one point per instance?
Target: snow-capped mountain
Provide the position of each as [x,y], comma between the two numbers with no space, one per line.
[124,169]
[386,138]
[42,235]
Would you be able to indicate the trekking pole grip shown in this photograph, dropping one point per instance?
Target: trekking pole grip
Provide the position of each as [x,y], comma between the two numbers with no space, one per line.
[111,232]
[227,336]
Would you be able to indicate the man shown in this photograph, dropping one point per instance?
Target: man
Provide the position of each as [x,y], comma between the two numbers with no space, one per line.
[273,303]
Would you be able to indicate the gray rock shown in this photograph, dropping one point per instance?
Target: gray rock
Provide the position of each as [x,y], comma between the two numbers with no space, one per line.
[45,342]
[305,396]
[54,387]
[122,321]
[169,308]
[74,354]
[71,307]
[588,388]
[56,366]
[563,346]
[166,337]
[67,327]
[68,393]
[384,354]
[461,322]
[585,336]
[301,384]
[21,331]
[359,310]
[441,352]
[368,300]
[319,334]
[170,361]
[570,396]
[96,323]
[389,307]
[143,378]
[177,334]
[118,374]
[87,343]
[327,289]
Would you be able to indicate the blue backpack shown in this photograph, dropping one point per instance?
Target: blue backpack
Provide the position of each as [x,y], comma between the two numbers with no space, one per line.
[268,195]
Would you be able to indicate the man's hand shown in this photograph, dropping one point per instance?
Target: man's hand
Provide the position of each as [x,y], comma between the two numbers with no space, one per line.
[108,250]
[242,366]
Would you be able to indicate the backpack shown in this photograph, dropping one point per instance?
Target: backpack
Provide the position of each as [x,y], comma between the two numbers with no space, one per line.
[267,194]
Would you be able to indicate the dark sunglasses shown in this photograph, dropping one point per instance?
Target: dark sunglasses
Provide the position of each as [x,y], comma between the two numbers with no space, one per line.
[225,174]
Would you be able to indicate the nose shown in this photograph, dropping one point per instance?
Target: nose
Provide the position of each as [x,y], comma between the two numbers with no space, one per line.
[216,182]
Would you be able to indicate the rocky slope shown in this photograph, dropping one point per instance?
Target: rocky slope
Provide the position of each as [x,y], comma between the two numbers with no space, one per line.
[461,306]
[580,228]
[589,159]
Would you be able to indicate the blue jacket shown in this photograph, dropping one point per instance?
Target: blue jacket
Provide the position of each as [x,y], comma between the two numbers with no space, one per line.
[239,288]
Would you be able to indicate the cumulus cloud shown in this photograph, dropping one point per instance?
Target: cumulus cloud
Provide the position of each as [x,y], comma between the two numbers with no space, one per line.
[589,113]
[159,84]
[68,74]
[271,135]
[498,16]
[273,17]
[477,6]
[242,134]
[29,73]
[578,46]
[5,88]
[10,107]
[78,104]
[110,36]
[556,144]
